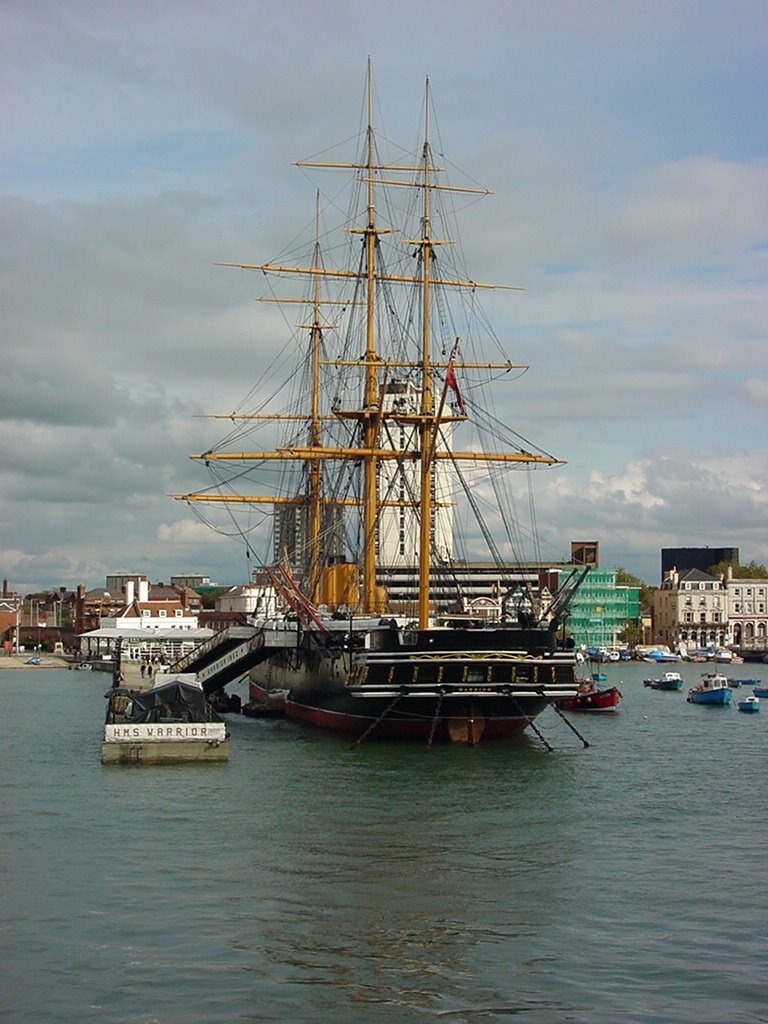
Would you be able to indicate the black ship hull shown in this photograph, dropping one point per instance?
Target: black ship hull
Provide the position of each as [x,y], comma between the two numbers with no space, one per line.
[435,685]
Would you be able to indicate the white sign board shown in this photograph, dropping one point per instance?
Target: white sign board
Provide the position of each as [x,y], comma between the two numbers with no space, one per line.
[177,731]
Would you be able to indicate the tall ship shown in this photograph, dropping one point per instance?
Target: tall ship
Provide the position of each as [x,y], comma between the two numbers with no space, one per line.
[373,448]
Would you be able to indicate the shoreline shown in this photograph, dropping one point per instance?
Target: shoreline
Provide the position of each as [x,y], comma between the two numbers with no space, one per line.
[20,661]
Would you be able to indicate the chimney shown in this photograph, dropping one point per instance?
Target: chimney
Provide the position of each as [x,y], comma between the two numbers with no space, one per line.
[129,592]
[143,589]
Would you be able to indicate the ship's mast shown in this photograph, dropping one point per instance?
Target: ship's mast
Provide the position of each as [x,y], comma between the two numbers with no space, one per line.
[368,451]
[370,401]
[315,438]
[426,435]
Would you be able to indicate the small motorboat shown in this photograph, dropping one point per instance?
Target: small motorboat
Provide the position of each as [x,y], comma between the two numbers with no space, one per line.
[590,698]
[761,690]
[669,681]
[749,704]
[713,689]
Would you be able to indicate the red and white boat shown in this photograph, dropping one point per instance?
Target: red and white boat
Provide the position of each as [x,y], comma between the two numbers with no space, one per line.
[591,698]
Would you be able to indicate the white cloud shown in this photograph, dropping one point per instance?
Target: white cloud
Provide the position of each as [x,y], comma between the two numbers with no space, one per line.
[701,211]
[674,499]
[187,532]
[625,149]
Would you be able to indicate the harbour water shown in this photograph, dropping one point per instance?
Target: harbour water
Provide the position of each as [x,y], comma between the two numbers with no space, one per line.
[304,881]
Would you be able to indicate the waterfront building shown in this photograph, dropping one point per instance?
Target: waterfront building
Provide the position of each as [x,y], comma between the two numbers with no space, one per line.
[156,607]
[151,623]
[601,609]
[137,604]
[474,588]
[691,608]
[93,605]
[747,611]
[256,598]
[57,608]
[127,646]
[397,538]
[10,604]
[191,580]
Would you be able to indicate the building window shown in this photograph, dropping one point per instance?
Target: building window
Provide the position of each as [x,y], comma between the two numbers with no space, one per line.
[162,612]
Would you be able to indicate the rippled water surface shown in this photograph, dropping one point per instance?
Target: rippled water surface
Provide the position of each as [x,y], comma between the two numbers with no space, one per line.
[304,881]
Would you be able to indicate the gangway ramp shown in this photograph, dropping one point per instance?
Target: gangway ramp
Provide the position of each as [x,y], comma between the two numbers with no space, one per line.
[226,656]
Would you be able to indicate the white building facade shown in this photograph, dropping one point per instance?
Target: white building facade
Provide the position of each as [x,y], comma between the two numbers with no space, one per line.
[398,482]
[691,608]
[259,599]
[162,609]
[747,612]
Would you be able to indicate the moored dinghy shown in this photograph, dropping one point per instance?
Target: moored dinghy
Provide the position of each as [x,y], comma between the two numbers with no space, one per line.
[668,681]
[743,682]
[749,705]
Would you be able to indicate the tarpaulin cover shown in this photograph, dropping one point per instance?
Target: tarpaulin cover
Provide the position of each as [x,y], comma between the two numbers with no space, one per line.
[175,700]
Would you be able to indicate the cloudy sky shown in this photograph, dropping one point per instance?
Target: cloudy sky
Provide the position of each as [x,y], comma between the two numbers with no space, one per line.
[625,146]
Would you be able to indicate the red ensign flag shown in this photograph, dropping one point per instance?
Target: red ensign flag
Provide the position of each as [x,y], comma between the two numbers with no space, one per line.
[453,384]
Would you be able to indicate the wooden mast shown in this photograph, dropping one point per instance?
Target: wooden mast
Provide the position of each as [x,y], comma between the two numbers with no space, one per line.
[427,406]
[370,398]
[315,439]
[369,451]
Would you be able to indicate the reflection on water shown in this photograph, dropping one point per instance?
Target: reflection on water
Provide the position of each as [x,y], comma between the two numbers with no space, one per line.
[305,881]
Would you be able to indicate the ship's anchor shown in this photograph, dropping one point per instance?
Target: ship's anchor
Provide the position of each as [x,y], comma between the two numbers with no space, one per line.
[373,725]
[570,725]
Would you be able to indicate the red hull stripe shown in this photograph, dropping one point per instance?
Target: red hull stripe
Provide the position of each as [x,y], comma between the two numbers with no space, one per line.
[390,728]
